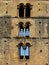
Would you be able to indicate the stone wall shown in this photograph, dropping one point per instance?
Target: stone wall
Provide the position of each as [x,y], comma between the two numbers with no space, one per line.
[9,32]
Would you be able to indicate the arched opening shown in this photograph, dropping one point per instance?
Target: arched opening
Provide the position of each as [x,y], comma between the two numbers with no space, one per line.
[21,29]
[24,51]
[21,10]
[27,51]
[27,29]
[21,50]
[28,10]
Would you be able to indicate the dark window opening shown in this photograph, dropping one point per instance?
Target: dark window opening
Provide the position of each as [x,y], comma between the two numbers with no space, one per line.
[27,55]
[24,52]
[27,30]
[21,29]
[21,52]
[27,52]
[21,32]
[21,10]
[27,10]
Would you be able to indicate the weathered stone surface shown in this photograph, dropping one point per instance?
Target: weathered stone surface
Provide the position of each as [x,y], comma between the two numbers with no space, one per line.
[9,32]
[5,27]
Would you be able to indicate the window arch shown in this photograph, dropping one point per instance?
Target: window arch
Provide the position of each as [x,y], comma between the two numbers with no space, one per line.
[21,10]
[28,10]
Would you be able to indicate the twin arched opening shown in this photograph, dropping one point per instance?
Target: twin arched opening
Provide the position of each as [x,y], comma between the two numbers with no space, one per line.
[27,9]
[24,30]
[24,52]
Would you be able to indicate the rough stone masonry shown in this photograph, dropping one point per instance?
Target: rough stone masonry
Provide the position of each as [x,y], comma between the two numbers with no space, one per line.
[24,26]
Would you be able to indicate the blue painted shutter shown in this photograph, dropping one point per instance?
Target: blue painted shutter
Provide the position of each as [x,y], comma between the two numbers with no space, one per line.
[27,32]
[21,32]
[27,52]
[21,51]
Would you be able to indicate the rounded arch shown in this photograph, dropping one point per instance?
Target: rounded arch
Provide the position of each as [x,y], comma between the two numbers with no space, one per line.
[28,4]
[21,4]
[20,23]
[27,44]
[27,23]
[20,44]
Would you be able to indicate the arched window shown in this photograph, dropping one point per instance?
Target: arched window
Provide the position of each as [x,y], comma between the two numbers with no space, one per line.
[21,50]
[21,29]
[28,10]
[21,10]
[27,30]
[27,51]
[24,51]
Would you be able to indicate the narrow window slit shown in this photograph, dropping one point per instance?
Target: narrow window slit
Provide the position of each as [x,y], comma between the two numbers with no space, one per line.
[21,29]
[28,10]
[27,30]
[21,10]
[27,52]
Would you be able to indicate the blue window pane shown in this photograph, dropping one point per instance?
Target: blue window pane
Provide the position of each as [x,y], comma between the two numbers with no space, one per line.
[21,51]
[21,32]
[27,32]
[27,51]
